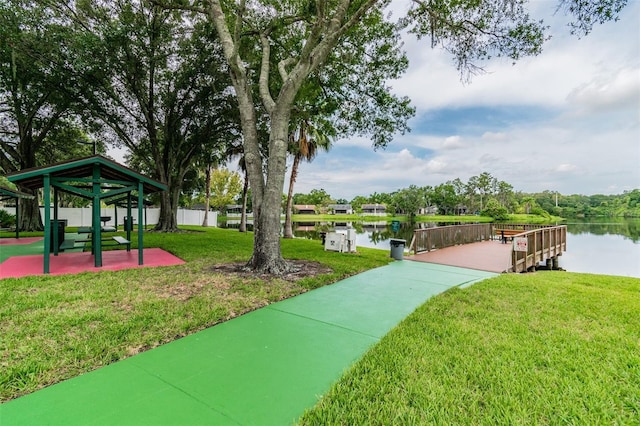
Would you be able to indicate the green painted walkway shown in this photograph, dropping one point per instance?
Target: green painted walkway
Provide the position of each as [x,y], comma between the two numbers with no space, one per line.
[263,368]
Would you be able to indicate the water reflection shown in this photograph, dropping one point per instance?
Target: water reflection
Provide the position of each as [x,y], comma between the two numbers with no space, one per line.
[368,234]
[627,228]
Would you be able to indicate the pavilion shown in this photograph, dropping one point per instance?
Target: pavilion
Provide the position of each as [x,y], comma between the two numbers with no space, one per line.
[98,179]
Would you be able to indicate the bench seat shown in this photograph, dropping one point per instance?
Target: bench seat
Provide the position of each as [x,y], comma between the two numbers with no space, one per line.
[69,243]
[121,240]
[508,234]
[89,230]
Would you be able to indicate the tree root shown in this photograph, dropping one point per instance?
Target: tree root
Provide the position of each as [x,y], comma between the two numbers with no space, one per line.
[277,267]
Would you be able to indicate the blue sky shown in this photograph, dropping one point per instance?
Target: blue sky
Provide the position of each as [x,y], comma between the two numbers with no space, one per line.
[567,120]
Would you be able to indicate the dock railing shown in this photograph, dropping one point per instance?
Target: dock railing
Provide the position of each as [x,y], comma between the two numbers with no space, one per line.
[446,236]
[544,244]
[535,244]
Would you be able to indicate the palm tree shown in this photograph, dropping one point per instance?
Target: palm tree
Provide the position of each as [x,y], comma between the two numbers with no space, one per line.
[304,144]
[245,192]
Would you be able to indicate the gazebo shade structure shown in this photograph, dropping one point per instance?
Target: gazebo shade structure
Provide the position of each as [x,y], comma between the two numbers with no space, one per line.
[96,178]
[12,194]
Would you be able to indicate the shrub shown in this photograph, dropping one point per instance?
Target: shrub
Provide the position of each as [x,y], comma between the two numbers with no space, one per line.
[6,219]
[495,210]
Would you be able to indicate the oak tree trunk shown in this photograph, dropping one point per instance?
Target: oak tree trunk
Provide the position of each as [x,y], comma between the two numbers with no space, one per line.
[267,255]
[168,222]
[30,219]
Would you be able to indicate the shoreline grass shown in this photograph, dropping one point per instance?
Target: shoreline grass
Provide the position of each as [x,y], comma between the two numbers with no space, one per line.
[542,348]
[513,218]
[56,327]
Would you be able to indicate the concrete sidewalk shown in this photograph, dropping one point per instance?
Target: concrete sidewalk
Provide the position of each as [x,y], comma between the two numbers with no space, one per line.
[263,368]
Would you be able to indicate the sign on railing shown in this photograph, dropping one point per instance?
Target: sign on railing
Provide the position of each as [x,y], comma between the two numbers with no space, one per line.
[520,244]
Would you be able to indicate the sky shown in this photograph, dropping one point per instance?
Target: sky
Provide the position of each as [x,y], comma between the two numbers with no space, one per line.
[567,120]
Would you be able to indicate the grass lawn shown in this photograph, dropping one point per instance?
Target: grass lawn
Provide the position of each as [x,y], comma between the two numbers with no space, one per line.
[542,348]
[56,327]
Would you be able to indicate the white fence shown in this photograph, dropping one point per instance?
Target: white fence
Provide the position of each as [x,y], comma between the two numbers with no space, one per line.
[82,216]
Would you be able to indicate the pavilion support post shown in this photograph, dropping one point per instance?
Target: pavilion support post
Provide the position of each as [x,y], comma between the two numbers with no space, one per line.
[95,219]
[56,239]
[129,217]
[115,215]
[17,218]
[47,220]
[140,224]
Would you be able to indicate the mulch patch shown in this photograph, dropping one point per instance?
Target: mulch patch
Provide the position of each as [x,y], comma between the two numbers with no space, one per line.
[301,269]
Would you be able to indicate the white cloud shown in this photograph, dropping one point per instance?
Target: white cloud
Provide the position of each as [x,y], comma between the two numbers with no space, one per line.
[566,167]
[453,142]
[567,63]
[494,136]
[608,91]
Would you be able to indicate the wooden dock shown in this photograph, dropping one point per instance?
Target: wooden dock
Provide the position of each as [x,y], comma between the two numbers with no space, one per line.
[484,247]
[490,256]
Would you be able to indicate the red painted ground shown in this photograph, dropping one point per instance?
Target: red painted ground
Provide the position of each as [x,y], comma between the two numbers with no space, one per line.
[74,263]
[14,241]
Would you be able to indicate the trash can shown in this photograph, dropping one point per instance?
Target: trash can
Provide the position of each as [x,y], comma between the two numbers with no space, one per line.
[323,237]
[62,223]
[397,248]
[128,223]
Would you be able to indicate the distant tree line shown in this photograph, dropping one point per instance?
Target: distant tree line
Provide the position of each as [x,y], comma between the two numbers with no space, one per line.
[485,195]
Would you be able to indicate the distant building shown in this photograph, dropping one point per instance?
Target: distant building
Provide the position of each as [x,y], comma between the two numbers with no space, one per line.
[304,209]
[233,209]
[428,211]
[460,210]
[341,208]
[374,209]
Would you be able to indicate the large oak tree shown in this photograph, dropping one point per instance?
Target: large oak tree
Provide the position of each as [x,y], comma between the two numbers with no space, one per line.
[34,101]
[159,84]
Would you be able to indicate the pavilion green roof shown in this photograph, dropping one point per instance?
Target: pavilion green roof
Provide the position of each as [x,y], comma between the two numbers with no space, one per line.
[8,193]
[83,168]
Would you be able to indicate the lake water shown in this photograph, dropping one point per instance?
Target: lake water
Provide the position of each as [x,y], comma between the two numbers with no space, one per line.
[606,247]
[610,247]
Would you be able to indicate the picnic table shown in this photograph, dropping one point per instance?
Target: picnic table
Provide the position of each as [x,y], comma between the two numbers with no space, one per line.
[105,241]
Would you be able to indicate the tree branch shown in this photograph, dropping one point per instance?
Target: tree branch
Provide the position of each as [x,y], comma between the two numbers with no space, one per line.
[267,100]
[282,67]
[169,6]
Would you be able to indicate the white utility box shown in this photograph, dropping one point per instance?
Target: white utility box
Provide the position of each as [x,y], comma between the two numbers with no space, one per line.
[342,241]
[335,242]
[350,240]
